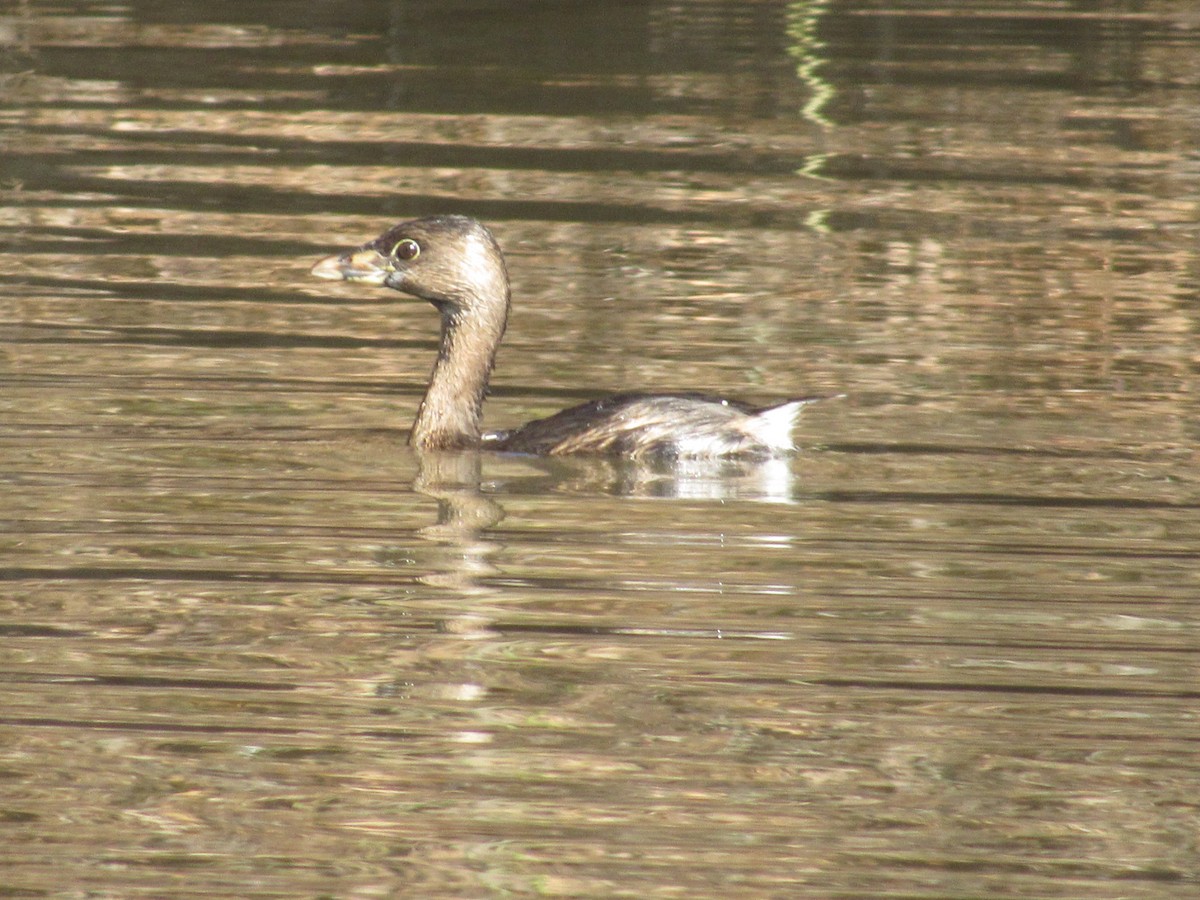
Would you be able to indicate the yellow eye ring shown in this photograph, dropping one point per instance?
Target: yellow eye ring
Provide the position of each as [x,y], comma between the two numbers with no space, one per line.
[406,250]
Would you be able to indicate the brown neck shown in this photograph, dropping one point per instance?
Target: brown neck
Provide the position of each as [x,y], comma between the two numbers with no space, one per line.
[449,414]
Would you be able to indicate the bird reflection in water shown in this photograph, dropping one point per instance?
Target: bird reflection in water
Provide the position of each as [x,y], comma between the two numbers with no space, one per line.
[464,515]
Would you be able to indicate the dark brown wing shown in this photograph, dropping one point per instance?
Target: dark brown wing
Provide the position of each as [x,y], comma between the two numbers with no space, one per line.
[644,425]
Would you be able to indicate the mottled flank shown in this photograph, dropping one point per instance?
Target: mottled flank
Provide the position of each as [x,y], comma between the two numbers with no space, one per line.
[455,263]
[668,425]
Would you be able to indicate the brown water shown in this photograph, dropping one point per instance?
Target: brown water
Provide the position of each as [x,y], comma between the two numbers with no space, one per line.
[254,647]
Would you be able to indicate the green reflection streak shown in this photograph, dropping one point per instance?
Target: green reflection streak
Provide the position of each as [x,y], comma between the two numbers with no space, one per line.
[803,18]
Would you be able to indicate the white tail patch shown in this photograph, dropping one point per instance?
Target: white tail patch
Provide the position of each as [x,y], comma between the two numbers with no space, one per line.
[773,426]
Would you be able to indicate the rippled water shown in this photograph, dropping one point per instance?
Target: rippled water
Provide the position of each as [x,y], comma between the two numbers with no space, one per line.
[253,646]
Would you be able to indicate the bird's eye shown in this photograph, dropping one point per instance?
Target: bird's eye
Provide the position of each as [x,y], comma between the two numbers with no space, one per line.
[406,249]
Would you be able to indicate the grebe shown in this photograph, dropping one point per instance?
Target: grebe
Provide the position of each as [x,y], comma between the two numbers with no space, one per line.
[455,263]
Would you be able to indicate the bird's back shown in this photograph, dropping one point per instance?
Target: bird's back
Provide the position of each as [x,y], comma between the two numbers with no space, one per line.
[665,425]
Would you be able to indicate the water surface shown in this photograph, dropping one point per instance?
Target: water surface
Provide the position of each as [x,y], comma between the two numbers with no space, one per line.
[255,647]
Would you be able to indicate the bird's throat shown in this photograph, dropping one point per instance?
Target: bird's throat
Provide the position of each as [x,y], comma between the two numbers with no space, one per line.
[451,410]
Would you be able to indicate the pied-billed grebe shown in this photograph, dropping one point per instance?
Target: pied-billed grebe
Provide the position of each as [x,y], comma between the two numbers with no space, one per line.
[455,263]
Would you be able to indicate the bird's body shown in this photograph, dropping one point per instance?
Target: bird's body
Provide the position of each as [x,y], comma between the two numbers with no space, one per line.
[650,425]
[455,263]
